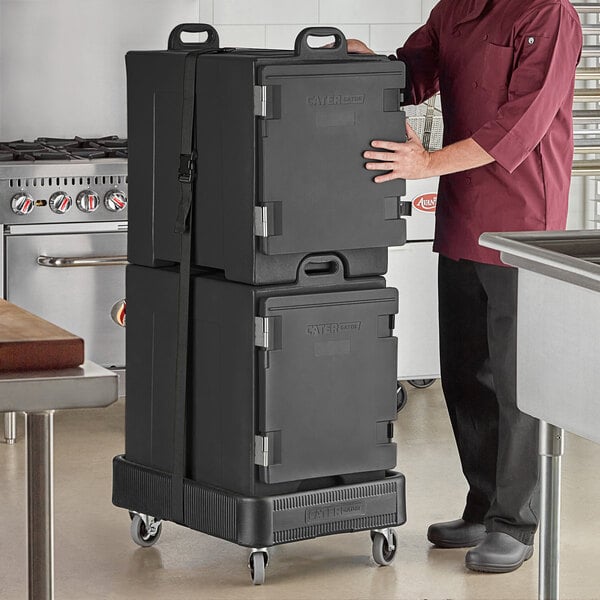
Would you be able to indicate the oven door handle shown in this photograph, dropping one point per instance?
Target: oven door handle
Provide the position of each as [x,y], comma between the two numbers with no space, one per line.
[81,261]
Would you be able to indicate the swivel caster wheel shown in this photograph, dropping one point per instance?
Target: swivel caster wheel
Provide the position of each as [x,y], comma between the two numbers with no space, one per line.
[384,546]
[421,384]
[401,396]
[257,563]
[145,530]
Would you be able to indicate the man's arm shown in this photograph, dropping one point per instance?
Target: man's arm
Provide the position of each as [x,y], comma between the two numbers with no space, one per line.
[547,50]
[410,160]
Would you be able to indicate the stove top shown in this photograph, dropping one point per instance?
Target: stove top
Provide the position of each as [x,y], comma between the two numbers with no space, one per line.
[60,149]
[52,181]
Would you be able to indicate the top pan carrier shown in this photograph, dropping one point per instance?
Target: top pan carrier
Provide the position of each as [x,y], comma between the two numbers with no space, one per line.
[279,137]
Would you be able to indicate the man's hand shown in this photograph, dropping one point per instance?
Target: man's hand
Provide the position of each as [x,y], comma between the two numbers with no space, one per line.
[407,160]
[411,161]
[358,47]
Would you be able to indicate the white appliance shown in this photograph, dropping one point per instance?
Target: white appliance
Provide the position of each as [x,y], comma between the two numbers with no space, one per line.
[412,268]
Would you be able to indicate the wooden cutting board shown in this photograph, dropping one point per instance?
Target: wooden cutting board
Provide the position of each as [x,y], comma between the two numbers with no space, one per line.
[29,343]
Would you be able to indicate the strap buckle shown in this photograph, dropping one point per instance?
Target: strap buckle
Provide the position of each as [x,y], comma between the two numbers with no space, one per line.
[187,167]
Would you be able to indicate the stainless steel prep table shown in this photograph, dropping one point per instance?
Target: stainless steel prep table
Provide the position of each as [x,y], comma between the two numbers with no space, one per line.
[558,353]
[39,394]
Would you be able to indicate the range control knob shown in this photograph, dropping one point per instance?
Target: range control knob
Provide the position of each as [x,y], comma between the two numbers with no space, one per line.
[60,202]
[87,201]
[22,203]
[115,200]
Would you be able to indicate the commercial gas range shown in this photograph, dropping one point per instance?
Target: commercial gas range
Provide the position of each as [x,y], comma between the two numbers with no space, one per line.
[63,244]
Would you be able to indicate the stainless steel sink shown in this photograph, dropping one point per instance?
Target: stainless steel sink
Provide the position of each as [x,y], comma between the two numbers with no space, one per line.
[558,358]
[558,330]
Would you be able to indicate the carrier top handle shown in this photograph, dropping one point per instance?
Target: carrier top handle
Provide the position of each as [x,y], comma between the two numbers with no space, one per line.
[176,43]
[339,49]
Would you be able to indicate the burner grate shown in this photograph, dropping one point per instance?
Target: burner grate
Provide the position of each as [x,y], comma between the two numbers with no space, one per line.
[57,149]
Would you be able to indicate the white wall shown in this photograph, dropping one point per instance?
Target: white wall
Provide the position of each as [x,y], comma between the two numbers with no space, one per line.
[383,24]
[1,66]
[62,70]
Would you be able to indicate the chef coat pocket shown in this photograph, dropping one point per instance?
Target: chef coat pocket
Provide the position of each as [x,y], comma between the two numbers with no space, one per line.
[533,60]
[497,68]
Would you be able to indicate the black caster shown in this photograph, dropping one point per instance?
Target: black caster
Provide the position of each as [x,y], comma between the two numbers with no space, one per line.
[421,384]
[384,546]
[401,396]
[257,563]
[145,530]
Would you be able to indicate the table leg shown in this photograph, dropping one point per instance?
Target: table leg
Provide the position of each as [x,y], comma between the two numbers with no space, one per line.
[40,506]
[551,450]
[10,427]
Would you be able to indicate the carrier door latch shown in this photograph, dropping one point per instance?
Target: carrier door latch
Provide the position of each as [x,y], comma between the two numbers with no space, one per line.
[261,450]
[268,219]
[267,101]
[267,449]
[267,333]
[262,331]
[260,101]
[261,221]
[405,208]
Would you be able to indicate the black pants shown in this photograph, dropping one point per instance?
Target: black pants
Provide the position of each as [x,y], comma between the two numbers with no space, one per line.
[497,443]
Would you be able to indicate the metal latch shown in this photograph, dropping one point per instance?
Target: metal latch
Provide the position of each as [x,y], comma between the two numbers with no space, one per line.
[260,101]
[405,208]
[261,450]
[262,329]
[187,167]
[261,221]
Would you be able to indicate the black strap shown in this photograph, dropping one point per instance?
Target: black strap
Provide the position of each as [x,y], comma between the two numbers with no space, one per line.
[184,226]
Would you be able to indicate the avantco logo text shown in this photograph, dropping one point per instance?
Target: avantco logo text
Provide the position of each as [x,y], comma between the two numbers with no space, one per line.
[336,99]
[426,202]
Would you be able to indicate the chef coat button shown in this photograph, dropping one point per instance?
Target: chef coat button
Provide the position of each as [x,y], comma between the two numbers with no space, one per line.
[475,84]
[468,180]
[485,37]
[531,41]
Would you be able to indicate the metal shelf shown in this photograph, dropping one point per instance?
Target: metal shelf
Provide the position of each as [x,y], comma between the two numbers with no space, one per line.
[587,95]
[587,149]
[590,51]
[586,116]
[588,145]
[585,168]
[585,8]
[588,73]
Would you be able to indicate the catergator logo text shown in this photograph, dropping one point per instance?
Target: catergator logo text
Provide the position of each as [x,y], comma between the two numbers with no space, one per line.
[332,328]
[336,99]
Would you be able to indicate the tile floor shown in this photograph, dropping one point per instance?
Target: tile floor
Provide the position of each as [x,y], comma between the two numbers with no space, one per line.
[96,559]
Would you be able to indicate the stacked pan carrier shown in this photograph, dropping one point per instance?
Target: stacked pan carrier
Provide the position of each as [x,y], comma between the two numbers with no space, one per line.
[261,362]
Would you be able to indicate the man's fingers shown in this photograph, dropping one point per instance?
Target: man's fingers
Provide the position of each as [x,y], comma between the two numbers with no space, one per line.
[385,145]
[380,166]
[410,132]
[384,178]
[384,156]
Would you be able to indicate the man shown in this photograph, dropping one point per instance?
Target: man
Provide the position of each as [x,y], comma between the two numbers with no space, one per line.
[505,70]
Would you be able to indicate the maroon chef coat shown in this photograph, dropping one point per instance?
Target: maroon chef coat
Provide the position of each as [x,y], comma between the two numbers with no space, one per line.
[505,70]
